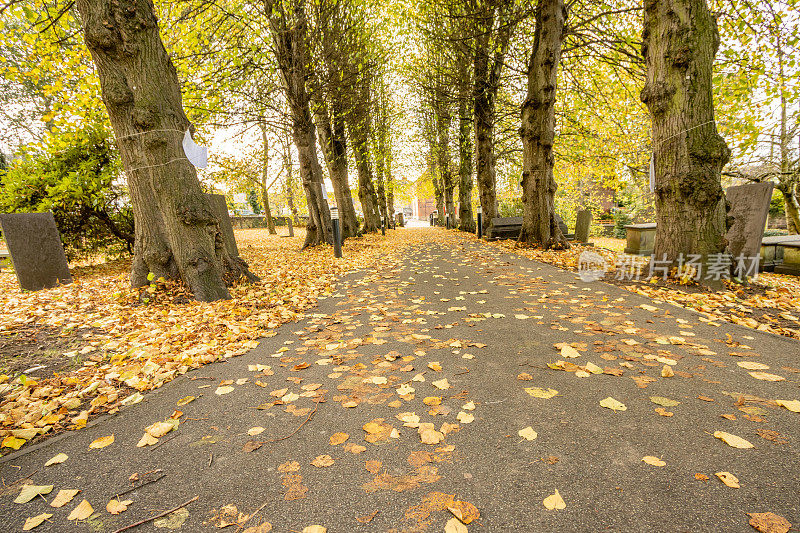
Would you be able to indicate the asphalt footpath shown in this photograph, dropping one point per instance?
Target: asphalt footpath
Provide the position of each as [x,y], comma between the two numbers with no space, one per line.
[460,380]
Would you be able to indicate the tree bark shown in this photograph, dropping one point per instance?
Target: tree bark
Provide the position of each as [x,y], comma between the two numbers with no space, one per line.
[289,32]
[359,126]
[466,220]
[331,132]
[538,129]
[680,40]
[177,234]
[264,176]
[443,120]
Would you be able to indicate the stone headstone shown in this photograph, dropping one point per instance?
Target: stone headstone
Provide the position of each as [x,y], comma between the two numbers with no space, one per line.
[582,223]
[749,209]
[220,209]
[640,238]
[562,226]
[36,250]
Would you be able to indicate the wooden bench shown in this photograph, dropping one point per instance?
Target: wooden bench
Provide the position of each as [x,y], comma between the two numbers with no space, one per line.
[505,228]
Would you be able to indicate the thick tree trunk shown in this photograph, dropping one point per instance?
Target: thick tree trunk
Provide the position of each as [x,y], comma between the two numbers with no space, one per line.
[292,57]
[790,203]
[264,176]
[331,132]
[443,120]
[289,183]
[538,129]
[177,234]
[680,40]
[389,188]
[466,221]
[380,187]
[483,114]
[359,126]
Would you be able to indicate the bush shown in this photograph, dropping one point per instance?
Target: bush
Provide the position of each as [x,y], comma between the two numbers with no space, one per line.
[77,177]
[621,219]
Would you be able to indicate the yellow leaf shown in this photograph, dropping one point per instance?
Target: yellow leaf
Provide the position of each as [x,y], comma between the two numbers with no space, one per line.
[29,492]
[792,405]
[63,497]
[81,512]
[538,392]
[225,389]
[338,438]
[432,400]
[667,372]
[554,501]
[257,430]
[593,368]
[729,479]
[13,442]
[102,442]
[159,429]
[34,521]
[116,506]
[752,365]
[186,400]
[442,384]
[435,366]
[614,405]
[60,458]
[322,461]
[454,525]
[464,511]
[315,529]
[732,440]
[146,440]
[469,406]
[527,433]
[765,376]
[655,461]
[465,418]
[569,352]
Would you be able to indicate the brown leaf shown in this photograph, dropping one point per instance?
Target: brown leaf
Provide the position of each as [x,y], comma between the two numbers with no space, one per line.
[251,446]
[366,518]
[322,461]
[373,466]
[769,523]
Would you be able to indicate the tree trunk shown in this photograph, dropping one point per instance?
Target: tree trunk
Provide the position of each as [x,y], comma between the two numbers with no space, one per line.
[331,132]
[443,120]
[484,121]
[289,184]
[538,129]
[466,221]
[359,126]
[389,188]
[177,234]
[264,176]
[293,60]
[788,190]
[680,40]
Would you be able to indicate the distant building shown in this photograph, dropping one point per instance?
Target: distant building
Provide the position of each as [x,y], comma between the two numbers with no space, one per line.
[422,208]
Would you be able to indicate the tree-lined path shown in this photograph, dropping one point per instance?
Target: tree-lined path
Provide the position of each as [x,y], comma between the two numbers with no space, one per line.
[454,372]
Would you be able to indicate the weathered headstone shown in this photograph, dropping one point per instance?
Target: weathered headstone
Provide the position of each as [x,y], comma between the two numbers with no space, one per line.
[582,223]
[640,238]
[36,250]
[749,209]
[563,227]
[220,209]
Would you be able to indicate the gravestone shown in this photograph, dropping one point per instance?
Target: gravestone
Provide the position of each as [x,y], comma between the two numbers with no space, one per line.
[640,238]
[582,223]
[36,250]
[505,228]
[563,227]
[749,207]
[791,259]
[220,209]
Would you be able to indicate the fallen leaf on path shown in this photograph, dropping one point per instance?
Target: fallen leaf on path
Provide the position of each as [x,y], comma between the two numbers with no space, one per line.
[265,527]
[29,492]
[732,440]
[524,376]
[35,521]
[569,352]
[116,506]
[792,405]
[464,511]
[322,461]
[554,501]
[174,520]
[251,446]
[465,418]
[752,365]
[225,389]
[667,372]
[663,412]
[729,479]
[432,400]
[706,398]
[655,461]
[367,518]
[765,376]
[338,438]
[442,384]
[701,477]
[664,402]
[81,512]
[538,392]
[13,442]
[614,405]
[454,525]
[102,442]
[315,529]
[373,466]
[253,431]
[60,458]
[769,523]
[527,433]
[63,497]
